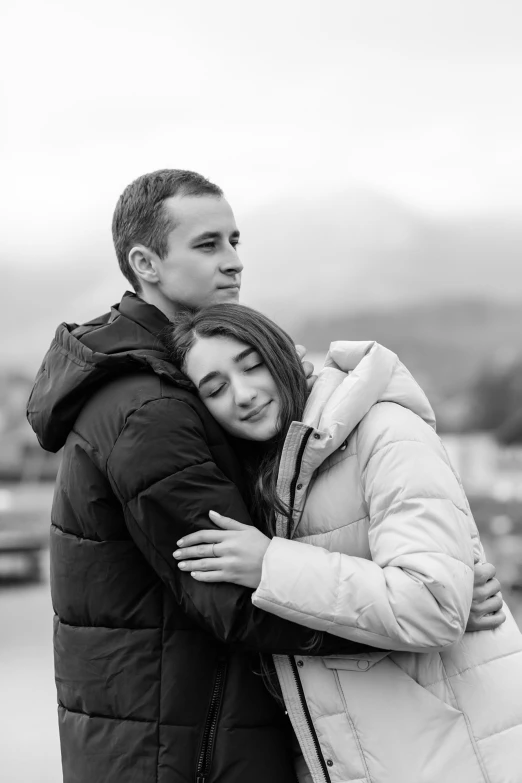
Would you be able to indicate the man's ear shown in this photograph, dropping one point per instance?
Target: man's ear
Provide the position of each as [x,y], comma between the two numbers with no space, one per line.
[144,264]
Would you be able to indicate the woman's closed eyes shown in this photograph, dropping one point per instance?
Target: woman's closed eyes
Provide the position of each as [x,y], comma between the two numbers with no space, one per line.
[236,385]
[217,390]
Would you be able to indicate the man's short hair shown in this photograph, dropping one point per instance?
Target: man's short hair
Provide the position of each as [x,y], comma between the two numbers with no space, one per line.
[140,217]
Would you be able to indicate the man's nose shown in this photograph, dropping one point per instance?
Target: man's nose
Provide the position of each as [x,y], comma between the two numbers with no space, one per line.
[230,263]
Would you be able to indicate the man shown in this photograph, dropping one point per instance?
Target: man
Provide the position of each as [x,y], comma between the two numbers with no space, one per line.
[157,674]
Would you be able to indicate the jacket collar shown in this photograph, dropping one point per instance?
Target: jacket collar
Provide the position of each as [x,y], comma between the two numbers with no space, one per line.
[144,314]
[355,377]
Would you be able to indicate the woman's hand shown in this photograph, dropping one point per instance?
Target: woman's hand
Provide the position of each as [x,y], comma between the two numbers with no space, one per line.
[233,554]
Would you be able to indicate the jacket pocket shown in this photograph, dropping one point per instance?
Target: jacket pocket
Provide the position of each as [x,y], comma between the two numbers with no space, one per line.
[404,729]
[355,663]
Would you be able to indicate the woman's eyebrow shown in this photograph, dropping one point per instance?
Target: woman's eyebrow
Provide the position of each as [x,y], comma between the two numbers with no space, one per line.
[239,358]
[208,377]
[244,354]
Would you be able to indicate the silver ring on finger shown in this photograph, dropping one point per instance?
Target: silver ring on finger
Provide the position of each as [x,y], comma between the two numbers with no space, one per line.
[213,552]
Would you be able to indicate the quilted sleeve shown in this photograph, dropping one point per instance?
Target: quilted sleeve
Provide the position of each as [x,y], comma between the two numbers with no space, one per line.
[415,593]
[162,471]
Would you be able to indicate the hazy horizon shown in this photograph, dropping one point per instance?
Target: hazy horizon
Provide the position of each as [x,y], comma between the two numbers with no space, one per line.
[378,142]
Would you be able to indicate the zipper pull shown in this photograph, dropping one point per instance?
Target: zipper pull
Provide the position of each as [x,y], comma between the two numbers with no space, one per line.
[200,779]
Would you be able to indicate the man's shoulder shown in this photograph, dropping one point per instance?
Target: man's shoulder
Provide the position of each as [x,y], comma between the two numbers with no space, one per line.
[131,391]
[137,400]
[145,423]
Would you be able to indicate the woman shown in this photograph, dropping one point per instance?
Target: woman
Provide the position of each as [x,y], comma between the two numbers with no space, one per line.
[374,542]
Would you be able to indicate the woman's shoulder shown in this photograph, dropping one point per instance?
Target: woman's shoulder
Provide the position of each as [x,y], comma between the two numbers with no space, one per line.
[390,422]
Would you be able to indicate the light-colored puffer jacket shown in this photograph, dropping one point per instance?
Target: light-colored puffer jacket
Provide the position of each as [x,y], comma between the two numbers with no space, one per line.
[382,552]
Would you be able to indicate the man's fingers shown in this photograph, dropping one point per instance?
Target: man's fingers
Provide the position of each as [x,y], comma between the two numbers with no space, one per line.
[308,368]
[483,573]
[310,382]
[490,606]
[488,622]
[483,592]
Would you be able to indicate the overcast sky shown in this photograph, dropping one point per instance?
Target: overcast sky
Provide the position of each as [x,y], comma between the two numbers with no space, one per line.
[416,98]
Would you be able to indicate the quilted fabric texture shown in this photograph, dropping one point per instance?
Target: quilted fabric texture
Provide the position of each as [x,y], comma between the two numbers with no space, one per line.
[156,673]
[382,552]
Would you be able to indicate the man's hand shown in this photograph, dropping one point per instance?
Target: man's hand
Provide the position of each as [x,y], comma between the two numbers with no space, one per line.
[308,367]
[234,553]
[486,608]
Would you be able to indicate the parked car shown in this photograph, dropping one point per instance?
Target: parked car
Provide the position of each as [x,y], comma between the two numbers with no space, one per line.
[25,510]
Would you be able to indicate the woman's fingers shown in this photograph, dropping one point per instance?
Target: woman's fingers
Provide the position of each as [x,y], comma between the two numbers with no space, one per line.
[210,536]
[205,564]
[207,536]
[201,550]
[209,576]
[225,522]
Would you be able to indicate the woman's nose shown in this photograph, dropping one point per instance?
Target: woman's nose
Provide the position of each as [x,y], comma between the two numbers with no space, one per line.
[244,394]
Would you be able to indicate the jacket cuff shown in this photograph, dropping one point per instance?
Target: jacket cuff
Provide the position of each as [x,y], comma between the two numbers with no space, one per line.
[283,563]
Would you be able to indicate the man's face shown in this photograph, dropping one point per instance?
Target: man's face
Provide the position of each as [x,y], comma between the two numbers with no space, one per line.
[201,266]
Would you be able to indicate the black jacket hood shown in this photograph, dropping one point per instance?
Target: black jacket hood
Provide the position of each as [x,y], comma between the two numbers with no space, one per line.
[81,359]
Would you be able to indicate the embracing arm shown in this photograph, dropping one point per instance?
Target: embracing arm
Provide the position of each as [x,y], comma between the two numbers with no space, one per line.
[312,585]
[416,591]
[163,472]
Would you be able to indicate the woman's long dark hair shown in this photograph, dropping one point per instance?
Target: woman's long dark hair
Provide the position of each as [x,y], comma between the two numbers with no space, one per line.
[278,353]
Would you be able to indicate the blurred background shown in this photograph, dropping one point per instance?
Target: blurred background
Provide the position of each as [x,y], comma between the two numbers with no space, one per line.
[371,152]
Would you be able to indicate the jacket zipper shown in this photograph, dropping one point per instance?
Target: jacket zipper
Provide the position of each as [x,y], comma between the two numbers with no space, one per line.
[293,485]
[209,733]
[309,721]
[302,699]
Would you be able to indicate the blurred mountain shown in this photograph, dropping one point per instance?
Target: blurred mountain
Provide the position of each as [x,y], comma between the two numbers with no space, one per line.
[446,345]
[359,249]
[331,265]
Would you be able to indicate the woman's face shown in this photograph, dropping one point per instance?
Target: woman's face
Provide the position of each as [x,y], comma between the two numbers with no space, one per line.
[236,387]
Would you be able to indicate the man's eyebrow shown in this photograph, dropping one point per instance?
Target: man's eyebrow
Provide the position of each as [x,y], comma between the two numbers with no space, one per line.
[206,235]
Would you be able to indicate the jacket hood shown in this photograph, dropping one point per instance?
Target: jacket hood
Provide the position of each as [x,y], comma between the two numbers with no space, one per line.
[356,376]
[81,359]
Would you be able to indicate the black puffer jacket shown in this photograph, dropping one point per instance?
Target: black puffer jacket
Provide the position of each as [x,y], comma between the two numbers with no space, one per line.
[154,670]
